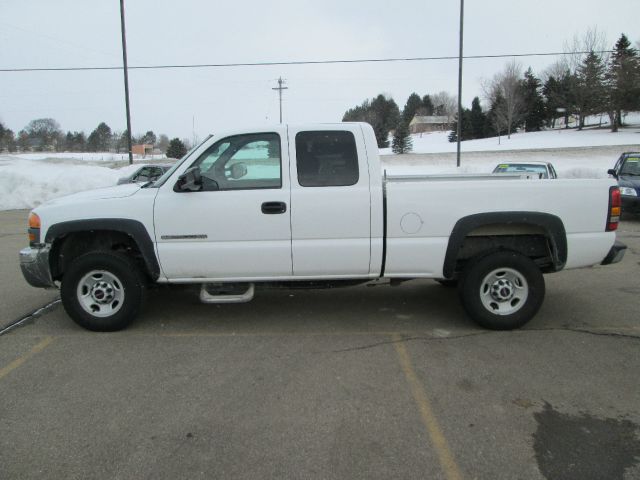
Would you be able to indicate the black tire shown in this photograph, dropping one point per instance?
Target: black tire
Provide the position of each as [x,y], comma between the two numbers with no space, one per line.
[449,283]
[489,281]
[121,274]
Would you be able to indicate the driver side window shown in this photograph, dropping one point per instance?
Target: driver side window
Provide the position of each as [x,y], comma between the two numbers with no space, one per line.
[242,162]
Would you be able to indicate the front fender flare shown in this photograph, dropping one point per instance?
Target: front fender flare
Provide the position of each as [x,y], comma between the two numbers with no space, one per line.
[133,228]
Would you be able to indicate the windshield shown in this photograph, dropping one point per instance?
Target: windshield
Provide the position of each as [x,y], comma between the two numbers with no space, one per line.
[631,166]
[522,168]
[169,172]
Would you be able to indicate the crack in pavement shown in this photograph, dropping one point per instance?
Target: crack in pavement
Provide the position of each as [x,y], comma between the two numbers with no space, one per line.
[488,332]
[31,316]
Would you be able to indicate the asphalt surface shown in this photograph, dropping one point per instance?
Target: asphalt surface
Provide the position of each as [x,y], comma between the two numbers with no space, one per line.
[361,382]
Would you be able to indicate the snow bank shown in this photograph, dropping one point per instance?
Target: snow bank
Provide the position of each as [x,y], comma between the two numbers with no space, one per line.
[437,142]
[27,183]
[569,163]
[86,156]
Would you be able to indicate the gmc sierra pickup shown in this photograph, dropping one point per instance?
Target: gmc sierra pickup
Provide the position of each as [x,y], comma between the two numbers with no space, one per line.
[309,204]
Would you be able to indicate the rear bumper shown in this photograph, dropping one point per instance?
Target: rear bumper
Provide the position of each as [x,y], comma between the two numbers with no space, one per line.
[34,263]
[615,254]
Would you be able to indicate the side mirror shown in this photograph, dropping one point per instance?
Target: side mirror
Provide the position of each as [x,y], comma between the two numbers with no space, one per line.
[237,171]
[189,181]
[612,172]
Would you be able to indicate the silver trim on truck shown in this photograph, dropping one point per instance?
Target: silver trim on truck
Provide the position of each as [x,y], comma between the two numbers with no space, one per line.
[34,263]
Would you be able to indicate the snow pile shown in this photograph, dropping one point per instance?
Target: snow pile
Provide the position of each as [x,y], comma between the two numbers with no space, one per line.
[567,162]
[27,184]
[438,142]
[86,156]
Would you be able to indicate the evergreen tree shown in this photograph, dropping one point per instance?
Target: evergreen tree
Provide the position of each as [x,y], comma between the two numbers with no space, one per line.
[534,106]
[414,102]
[478,120]
[402,141]
[623,81]
[496,123]
[381,113]
[149,138]
[466,129]
[560,94]
[99,140]
[176,149]
[591,92]
[10,140]
[427,105]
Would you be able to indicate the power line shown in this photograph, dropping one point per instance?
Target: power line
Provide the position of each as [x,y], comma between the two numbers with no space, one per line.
[300,62]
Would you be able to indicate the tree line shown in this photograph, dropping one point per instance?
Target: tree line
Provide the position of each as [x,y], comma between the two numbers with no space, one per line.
[577,86]
[45,135]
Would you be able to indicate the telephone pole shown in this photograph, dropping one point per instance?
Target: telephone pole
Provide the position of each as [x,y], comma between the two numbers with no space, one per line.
[126,80]
[280,88]
[459,132]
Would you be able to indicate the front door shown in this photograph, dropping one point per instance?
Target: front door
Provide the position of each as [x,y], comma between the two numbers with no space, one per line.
[237,226]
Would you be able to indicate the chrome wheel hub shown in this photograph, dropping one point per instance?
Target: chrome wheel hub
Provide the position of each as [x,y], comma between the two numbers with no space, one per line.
[100,293]
[504,291]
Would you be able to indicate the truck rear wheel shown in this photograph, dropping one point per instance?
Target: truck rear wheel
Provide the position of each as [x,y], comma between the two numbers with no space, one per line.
[102,291]
[502,291]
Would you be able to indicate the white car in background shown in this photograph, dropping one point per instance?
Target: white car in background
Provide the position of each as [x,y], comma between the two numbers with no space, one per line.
[542,169]
[146,173]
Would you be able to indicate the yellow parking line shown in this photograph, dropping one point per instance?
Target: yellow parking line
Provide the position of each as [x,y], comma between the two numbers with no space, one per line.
[4,371]
[447,462]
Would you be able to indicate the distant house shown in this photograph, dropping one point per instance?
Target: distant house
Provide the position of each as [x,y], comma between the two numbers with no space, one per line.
[142,149]
[431,123]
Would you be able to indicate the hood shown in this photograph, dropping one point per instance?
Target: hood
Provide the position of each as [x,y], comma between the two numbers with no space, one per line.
[119,191]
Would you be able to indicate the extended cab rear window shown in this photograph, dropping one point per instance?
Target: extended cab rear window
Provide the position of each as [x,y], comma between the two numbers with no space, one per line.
[326,159]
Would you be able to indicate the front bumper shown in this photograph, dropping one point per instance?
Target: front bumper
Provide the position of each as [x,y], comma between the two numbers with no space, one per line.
[615,254]
[34,263]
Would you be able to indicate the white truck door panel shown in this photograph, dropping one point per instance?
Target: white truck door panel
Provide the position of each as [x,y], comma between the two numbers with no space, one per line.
[331,206]
[236,227]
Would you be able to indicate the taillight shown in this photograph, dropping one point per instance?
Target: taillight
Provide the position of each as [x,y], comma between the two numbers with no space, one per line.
[615,204]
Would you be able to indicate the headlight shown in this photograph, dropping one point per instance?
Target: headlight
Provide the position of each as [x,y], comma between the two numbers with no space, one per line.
[628,191]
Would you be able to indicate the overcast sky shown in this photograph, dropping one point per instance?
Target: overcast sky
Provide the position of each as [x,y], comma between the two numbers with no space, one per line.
[61,33]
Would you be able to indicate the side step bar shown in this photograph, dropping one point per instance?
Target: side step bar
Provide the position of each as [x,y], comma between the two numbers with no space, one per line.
[226,293]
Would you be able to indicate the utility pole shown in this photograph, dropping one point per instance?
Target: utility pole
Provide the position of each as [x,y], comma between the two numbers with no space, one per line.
[459,132]
[126,80]
[280,88]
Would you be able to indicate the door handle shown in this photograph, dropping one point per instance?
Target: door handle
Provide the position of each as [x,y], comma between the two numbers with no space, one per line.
[274,208]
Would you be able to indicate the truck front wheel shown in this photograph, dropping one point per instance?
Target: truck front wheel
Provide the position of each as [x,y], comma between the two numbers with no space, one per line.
[502,291]
[102,291]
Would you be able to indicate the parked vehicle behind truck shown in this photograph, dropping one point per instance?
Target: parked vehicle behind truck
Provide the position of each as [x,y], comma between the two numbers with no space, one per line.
[308,205]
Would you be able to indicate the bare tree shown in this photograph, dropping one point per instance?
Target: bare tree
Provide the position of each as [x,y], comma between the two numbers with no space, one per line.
[504,93]
[445,104]
[590,41]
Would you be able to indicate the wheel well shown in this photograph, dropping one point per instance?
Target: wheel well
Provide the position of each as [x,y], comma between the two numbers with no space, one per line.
[70,246]
[532,241]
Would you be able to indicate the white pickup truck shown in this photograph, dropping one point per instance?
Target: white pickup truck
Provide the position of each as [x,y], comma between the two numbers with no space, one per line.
[309,204]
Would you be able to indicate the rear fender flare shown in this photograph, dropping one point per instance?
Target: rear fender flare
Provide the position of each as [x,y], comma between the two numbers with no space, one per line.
[551,224]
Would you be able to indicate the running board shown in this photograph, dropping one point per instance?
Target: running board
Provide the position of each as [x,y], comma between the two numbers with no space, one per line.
[226,293]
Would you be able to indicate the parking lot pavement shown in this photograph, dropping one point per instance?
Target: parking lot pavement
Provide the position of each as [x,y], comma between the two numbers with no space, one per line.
[361,382]
[18,298]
